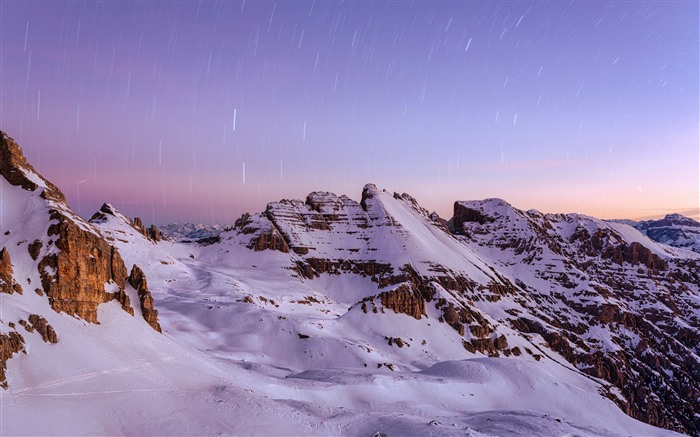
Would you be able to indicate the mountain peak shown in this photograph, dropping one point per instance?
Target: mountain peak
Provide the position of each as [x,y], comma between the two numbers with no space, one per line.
[674,230]
[369,191]
[109,210]
[75,266]
[17,171]
[681,219]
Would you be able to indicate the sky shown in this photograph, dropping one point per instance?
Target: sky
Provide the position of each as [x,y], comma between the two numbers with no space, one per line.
[181,111]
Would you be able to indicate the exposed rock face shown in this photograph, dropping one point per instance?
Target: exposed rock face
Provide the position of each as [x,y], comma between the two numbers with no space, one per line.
[75,275]
[138,225]
[635,253]
[138,280]
[40,325]
[462,214]
[599,281]
[8,284]
[35,249]
[15,169]
[379,272]
[74,278]
[264,235]
[77,267]
[154,233]
[404,300]
[10,344]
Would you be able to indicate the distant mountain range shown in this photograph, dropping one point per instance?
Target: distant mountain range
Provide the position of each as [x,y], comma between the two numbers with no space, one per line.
[674,229]
[331,316]
[191,232]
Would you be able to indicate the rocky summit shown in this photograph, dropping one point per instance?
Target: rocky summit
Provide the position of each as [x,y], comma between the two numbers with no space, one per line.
[49,249]
[329,315]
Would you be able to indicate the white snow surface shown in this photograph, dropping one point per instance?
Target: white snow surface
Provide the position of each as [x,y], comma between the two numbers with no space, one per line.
[249,348]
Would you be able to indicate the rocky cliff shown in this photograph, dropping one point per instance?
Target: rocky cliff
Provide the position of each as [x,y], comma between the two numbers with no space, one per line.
[78,274]
[137,279]
[616,305]
[8,284]
[76,268]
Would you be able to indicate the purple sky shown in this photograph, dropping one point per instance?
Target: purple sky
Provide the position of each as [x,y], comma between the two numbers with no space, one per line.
[199,111]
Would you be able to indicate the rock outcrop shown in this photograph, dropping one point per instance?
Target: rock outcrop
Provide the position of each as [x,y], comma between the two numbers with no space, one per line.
[17,171]
[404,300]
[8,284]
[152,232]
[138,280]
[41,326]
[82,270]
[75,278]
[10,344]
[77,267]
[263,234]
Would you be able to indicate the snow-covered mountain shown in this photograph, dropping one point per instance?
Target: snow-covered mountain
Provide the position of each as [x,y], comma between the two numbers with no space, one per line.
[333,316]
[191,232]
[674,229]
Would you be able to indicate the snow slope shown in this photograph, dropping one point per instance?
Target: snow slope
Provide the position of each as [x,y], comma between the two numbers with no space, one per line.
[368,317]
[242,308]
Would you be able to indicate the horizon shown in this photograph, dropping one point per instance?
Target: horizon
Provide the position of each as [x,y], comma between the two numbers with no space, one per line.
[693,214]
[199,113]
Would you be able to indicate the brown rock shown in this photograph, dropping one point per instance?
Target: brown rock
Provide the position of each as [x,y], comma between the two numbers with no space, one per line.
[484,346]
[452,318]
[13,167]
[8,284]
[74,278]
[404,300]
[35,249]
[265,234]
[463,214]
[10,344]
[635,253]
[138,280]
[40,325]
[269,240]
[138,225]
[501,343]
[154,233]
